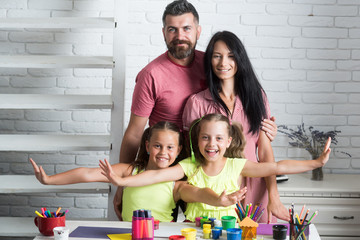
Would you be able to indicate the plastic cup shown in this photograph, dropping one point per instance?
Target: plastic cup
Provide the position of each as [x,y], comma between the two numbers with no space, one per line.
[216,233]
[176,237]
[46,225]
[189,233]
[233,233]
[279,231]
[220,229]
[228,222]
[296,229]
[61,233]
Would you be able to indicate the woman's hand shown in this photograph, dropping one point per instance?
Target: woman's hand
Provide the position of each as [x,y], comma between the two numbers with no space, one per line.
[270,128]
[40,173]
[108,172]
[277,209]
[324,157]
[226,200]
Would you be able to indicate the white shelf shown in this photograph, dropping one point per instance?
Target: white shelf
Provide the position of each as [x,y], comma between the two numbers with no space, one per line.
[18,227]
[63,22]
[43,101]
[35,143]
[29,184]
[51,61]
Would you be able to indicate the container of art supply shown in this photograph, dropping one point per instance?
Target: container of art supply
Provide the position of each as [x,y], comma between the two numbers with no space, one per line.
[61,233]
[211,223]
[279,231]
[249,228]
[156,224]
[217,223]
[219,228]
[206,225]
[176,237]
[228,222]
[233,233]
[216,233]
[202,221]
[142,225]
[46,225]
[189,233]
[206,233]
[197,221]
[297,230]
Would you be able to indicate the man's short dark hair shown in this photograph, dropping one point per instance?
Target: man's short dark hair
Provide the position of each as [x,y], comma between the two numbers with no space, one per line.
[180,7]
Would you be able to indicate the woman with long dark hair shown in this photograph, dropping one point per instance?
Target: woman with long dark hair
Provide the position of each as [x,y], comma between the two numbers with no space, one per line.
[235,91]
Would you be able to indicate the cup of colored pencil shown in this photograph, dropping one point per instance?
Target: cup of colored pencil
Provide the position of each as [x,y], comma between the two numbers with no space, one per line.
[299,226]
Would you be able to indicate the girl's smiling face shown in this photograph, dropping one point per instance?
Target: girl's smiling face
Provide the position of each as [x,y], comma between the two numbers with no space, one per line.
[213,140]
[163,148]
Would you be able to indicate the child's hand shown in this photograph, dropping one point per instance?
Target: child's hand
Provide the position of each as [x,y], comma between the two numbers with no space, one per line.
[226,200]
[108,172]
[324,157]
[40,173]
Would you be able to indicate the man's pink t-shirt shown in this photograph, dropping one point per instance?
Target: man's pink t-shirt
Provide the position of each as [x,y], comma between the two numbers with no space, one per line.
[163,87]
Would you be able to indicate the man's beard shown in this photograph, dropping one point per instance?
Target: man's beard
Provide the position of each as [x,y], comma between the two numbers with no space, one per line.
[180,52]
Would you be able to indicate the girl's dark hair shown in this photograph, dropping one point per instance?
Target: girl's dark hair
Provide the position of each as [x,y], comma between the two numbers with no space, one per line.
[180,7]
[247,85]
[237,146]
[143,157]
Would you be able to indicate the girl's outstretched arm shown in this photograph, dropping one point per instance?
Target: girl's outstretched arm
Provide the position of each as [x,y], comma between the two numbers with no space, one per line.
[190,193]
[145,178]
[252,169]
[77,175]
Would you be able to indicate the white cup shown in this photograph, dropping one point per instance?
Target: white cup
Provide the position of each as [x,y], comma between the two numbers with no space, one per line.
[61,233]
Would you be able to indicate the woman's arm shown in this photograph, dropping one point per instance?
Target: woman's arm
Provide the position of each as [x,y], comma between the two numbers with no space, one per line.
[77,175]
[252,169]
[190,193]
[275,206]
[269,127]
[145,178]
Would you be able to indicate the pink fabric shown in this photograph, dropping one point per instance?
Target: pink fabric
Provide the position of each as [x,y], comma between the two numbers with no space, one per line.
[163,87]
[201,104]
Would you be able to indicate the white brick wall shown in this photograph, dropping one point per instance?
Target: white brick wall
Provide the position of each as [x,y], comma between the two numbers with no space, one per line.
[305,52]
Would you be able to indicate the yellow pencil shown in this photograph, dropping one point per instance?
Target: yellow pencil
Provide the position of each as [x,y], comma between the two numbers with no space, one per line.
[39,214]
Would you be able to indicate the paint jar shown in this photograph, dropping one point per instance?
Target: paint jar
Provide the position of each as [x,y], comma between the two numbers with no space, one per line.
[197,221]
[156,224]
[209,222]
[206,233]
[233,233]
[219,228]
[279,231]
[228,222]
[216,233]
[206,226]
[176,237]
[189,233]
[217,223]
[202,221]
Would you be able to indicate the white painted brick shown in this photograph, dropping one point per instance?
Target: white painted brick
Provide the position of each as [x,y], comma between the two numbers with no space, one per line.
[355,141]
[93,203]
[283,53]
[270,63]
[348,22]
[335,10]
[286,74]
[253,19]
[47,115]
[24,126]
[76,213]
[309,109]
[348,65]
[12,48]
[356,75]
[140,6]
[83,38]
[91,116]
[328,54]
[99,5]
[325,32]
[5,210]
[324,2]
[237,7]
[49,72]
[325,120]
[289,9]
[147,28]
[90,160]
[267,42]
[286,97]
[328,76]
[274,86]
[311,21]
[355,163]
[93,50]
[13,4]
[313,64]
[51,201]
[88,82]
[220,19]
[354,33]
[324,98]
[61,49]
[314,43]
[3,36]
[149,17]
[354,98]
[32,82]
[17,13]
[349,43]
[347,87]
[2,13]
[66,13]
[32,37]
[348,109]
[240,30]
[11,114]
[84,72]
[6,125]
[355,54]
[88,91]
[14,157]
[13,72]
[338,163]
[282,31]
[107,38]
[4,81]
[83,127]
[311,87]
[276,108]
[354,120]
[54,4]
[14,200]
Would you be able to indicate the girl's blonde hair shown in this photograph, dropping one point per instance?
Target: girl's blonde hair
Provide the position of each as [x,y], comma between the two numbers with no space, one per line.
[235,130]
[143,157]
